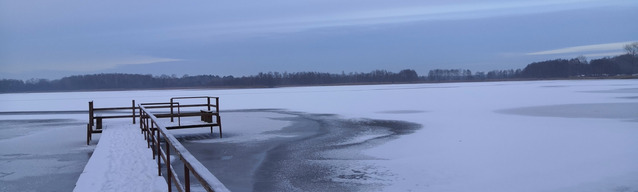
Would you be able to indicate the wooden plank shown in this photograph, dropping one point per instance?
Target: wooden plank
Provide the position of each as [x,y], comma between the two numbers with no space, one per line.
[164,103]
[187,114]
[160,106]
[192,126]
[196,105]
[113,108]
[197,97]
[176,106]
[115,116]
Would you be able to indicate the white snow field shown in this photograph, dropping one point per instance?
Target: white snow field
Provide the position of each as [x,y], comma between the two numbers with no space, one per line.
[570,135]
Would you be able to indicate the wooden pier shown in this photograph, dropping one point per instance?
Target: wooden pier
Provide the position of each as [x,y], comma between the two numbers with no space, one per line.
[157,134]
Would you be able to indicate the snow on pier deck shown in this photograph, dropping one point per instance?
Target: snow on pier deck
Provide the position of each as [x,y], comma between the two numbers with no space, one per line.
[121,162]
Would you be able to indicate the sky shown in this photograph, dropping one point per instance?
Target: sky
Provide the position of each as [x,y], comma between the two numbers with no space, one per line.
[56,38]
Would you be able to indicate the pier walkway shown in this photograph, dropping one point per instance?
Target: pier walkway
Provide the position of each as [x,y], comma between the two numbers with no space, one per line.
[121,162]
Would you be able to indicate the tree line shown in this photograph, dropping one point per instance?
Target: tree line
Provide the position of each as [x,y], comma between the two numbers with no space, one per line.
[138,81]
[626,64]
[579,67]
[551,69]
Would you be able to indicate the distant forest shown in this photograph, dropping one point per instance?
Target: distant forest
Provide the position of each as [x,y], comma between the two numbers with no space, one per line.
[622,65]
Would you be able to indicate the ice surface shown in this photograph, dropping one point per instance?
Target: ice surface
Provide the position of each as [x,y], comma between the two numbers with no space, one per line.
[240,127]
[467,143]
[42,153]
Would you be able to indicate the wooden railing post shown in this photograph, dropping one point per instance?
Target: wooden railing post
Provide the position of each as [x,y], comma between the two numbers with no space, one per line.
[168,166]
[91,113]
[148,136]
[219,122]
[154,141]
[208,99]
[88,134]
[140,118]
[187,180]
[171,109]
[133,109]
[217,104]
[208,181]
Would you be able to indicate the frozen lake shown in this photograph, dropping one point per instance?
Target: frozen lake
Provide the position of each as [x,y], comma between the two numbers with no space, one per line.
[489,136]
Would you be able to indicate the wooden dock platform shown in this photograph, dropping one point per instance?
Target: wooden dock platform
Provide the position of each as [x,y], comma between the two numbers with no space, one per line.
[159,141]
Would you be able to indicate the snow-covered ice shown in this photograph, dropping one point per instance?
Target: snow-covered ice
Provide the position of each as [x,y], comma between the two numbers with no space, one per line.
[489,136]
[41,151]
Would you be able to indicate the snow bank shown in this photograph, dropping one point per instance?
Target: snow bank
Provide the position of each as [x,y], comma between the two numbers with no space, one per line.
[121,162]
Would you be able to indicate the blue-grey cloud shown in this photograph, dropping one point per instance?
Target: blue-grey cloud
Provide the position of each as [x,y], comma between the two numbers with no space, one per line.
[597,49]
[245,37]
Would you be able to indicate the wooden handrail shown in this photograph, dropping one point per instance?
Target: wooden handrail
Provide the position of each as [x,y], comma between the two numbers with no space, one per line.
[208,103]
[171,105]
[113,108]
[195,97]
[153,131]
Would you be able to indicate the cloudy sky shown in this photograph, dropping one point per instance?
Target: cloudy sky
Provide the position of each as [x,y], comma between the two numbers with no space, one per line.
[55,38]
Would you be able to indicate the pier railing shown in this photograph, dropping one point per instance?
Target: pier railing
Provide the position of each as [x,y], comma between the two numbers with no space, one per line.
[95,122]
[212,110]
[156,132]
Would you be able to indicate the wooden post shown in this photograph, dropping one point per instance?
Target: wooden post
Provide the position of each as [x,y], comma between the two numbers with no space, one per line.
[168,166]
[147,137]
[219,122]
[208,98]
[133,109]
[171,109]
[88,134]
[140,119]
[187,179]
[157,143]
[98,123]
[151,139]
[91,113]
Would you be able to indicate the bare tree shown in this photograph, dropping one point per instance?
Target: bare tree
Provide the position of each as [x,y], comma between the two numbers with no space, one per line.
[582,59]
[632,49]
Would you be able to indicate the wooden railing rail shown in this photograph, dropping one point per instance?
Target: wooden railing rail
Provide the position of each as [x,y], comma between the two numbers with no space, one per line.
[92,118]
[92,111]
[208,105]
[92,128]
[154,132]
